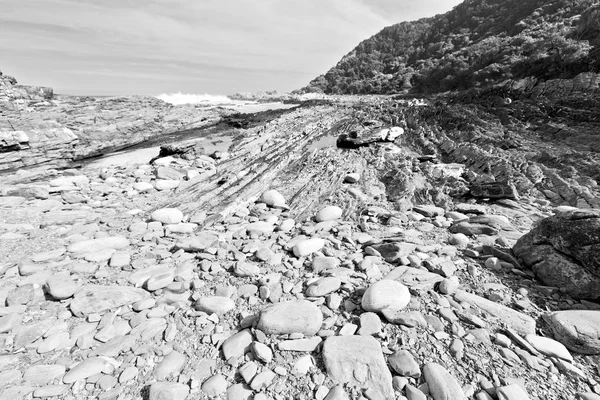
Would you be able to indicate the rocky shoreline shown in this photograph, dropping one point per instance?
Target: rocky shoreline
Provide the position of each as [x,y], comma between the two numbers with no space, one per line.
[288,267]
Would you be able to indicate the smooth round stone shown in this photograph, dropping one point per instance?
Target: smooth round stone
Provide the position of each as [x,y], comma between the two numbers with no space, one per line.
[323,286]
[260,228]
[385,295]
[404,364]
[308,246]
[160,280]
[214,304]
[61,286]
[549,347]
[128,374]
[166,184]
[238,392]
[143,186]
[295,316]
[459,240]
[170,365]
[120,259]
[215,385]
[168,391]
[262,352]
[324,263]
[448,286]
[287,225]
[493,263]
[237,345]
[442,385]
[329,213]
[273,198]
[264,254]
[167,216]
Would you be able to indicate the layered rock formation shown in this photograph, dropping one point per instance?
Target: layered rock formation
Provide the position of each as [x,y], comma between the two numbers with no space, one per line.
[38,128]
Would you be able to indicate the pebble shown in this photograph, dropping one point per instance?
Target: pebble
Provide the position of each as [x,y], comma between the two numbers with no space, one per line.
[323,286]
[214,304]
[329,213]
[168,391]
[370,324]
[273,198]
[442,385]
[385,296]
[237,345]
[459,240]
[295,316]
[404,364]
[238,392]
[308,246]
[170,365]
[262,352]
[248,371]
[262,380]
[215,385]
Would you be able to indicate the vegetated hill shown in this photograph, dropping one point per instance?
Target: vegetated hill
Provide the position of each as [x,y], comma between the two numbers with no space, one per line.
[477,44]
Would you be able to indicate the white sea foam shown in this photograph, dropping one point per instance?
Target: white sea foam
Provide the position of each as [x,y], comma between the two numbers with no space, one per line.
[189,98]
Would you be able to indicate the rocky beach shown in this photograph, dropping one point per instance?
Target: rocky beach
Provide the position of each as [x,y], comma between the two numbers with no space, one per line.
[355,247]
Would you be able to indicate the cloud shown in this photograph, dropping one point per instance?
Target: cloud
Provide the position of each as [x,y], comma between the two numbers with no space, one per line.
[201,46]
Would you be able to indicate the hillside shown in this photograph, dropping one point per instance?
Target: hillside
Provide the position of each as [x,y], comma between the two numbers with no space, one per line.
[478,44]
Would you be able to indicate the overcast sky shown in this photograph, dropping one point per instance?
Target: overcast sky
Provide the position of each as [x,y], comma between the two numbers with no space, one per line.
[114,47]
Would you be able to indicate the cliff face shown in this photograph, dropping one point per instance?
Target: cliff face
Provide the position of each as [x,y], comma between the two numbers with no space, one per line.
[478,44]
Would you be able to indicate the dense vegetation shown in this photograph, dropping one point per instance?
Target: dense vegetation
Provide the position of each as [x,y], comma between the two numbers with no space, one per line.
[477,44]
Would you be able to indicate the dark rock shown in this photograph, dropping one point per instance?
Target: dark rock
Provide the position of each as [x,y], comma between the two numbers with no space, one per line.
[564,251]
[494,190]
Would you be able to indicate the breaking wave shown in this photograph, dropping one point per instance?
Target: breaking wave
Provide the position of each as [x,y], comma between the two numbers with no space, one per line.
[188,98]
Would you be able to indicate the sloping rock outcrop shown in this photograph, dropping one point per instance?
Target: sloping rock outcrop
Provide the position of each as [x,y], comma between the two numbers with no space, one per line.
[39,128]
[564,251]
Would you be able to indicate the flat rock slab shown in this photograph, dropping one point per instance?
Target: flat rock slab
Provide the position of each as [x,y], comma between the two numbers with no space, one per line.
[94,245]
[296,316]
[358,361]
[95,299]
[521,323]
[578,330]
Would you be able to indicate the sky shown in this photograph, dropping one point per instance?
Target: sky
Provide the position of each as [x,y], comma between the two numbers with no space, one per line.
[149,47]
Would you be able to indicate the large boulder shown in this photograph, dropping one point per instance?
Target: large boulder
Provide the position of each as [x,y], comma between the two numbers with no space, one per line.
[564,251]
[578,330]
